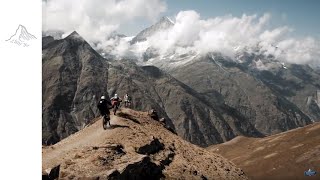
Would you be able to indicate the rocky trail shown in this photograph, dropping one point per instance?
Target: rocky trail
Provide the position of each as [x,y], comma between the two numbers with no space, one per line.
[88,137]
[134,147]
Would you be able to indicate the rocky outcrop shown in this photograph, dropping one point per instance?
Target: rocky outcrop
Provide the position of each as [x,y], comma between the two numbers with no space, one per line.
[51,173]
[153,147]
[142,168]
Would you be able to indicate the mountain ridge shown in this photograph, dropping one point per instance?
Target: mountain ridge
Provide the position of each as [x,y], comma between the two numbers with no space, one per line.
[134,143]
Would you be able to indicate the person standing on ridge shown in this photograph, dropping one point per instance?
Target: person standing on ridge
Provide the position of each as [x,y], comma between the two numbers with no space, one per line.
[127,100]
[103,107]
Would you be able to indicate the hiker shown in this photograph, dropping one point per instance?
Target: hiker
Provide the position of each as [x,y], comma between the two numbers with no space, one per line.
[127,100]
[103,107]
[115,101]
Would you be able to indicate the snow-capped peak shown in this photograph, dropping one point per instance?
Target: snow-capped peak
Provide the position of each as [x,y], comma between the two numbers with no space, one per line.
[161,25]
[169,19]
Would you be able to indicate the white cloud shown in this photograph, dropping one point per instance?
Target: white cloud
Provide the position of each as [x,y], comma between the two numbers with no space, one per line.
[226,34]
[300,51]
[95,19]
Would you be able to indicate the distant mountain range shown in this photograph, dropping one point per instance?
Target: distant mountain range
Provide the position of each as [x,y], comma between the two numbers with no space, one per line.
[207,99]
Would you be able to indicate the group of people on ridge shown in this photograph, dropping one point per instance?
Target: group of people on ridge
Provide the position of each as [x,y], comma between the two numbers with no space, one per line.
[104,105]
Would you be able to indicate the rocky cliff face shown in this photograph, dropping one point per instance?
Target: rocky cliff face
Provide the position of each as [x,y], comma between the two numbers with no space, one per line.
[298,83]
[271,103]
[74,77]
[46,40]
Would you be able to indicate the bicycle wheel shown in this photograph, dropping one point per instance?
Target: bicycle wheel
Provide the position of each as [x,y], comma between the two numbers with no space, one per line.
[104,122]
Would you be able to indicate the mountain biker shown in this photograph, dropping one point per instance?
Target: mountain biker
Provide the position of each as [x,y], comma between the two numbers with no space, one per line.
[103,107]
[127,100]
[115,100]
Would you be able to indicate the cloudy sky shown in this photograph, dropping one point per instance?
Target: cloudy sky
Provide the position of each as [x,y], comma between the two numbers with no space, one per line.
[301,15]
[288,29]
[134,15]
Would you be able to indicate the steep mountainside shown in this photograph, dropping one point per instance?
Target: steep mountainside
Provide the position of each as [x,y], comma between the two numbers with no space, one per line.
[269,94]
[193,116]
[134,147]
[46,40]
[74,76]
[282,156]
[272,100]
[299,84]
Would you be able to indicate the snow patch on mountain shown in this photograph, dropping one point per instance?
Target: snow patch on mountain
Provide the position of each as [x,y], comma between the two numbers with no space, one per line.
[233,37]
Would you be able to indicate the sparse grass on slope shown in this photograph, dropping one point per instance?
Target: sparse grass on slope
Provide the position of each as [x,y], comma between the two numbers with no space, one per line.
[282,156]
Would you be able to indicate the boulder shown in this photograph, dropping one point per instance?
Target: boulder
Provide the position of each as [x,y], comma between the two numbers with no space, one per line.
[51,173]
[143,168]
[152,147]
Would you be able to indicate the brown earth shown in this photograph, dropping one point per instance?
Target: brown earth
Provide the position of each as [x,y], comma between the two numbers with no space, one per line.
[282,156]
[134,147]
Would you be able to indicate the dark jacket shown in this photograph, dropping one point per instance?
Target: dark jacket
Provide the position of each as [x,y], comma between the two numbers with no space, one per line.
[103,106]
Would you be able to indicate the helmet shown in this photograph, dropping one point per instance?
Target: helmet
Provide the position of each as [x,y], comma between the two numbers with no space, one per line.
[102,97]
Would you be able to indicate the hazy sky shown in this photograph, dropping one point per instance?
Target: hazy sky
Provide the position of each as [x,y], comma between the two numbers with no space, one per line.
[302,16]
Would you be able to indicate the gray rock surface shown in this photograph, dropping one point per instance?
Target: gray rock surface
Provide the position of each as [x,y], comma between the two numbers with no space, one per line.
[74,77]
[272,100]
[190,114]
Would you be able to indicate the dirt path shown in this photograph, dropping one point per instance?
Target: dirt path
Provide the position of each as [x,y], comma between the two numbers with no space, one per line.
[92,135]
